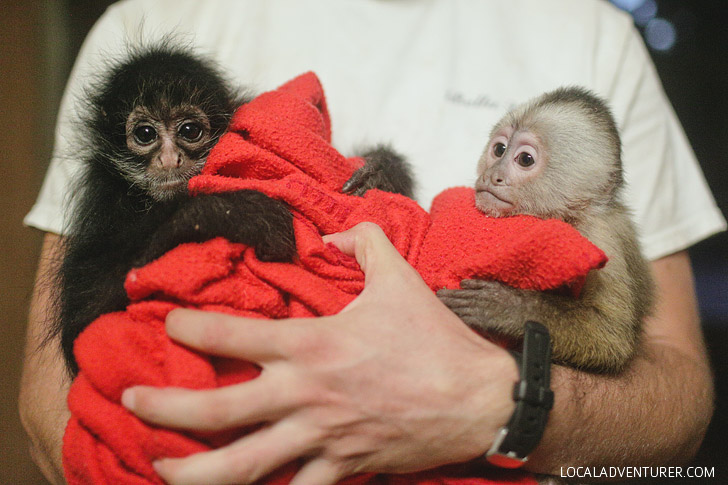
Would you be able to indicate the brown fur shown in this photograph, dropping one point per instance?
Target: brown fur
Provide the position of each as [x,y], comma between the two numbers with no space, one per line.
[578,181]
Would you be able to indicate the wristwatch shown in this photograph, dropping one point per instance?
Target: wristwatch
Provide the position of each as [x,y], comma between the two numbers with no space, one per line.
[533,397]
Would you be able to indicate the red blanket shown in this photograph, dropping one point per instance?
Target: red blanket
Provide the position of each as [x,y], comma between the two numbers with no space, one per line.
[280,144]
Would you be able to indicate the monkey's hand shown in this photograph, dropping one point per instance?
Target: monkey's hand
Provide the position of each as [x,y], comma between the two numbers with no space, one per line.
[366,178]
[586,333]
[245,216]
[383,169]
[488,306]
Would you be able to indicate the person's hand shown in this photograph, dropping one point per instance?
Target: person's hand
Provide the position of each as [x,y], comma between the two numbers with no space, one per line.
[394,383]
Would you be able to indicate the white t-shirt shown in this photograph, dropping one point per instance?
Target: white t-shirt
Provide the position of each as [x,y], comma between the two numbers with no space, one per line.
[431,77]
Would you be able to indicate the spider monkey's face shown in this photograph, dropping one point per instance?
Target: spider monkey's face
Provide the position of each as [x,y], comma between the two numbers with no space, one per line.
[172,147]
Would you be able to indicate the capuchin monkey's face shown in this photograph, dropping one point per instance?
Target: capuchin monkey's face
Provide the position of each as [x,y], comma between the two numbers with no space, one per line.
[555,158]
[167,148]
[513,160]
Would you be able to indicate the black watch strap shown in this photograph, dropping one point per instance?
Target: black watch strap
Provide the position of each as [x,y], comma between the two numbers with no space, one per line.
[533,397]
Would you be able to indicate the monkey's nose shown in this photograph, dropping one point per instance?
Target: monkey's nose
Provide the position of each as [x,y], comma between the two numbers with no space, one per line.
[170,159]
[496,179]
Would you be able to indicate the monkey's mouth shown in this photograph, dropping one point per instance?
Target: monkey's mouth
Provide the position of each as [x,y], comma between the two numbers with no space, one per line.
[173,185]
[168,189]
[488,202]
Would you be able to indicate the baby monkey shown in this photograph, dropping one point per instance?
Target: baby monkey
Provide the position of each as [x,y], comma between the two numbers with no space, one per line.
[151,122]
[559,156]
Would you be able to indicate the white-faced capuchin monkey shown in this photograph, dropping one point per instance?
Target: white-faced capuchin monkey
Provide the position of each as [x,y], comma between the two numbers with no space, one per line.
[559,156]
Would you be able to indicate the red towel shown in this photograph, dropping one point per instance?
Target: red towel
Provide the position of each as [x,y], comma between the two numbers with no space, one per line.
[280,144]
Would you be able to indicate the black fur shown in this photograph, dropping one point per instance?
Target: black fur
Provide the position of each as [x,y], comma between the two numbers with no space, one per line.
[384,169]
[115,224]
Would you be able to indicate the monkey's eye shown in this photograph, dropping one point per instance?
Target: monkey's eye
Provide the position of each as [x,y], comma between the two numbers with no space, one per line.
[145,134]
[525,159]
[190,131]
[499,149]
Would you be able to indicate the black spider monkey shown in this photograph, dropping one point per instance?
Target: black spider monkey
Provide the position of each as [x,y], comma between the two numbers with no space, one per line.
[151,122]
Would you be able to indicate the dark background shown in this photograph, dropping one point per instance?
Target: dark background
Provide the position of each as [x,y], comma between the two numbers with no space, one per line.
[695,76]
[39,40]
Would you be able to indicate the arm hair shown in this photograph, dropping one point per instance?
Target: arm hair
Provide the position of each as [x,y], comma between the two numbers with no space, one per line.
[621,419]
[44,383]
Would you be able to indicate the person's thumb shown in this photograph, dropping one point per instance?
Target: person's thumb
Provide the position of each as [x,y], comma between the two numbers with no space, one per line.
[377,257]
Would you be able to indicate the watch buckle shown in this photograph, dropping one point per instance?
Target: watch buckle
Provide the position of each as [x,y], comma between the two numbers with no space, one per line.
[496,457]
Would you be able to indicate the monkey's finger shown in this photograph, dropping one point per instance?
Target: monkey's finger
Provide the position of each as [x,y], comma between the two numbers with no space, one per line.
[244,461]
[476,284]
[354,182]
[459,308]
[460,297]
[466,312]
[360,191]
[453,303]
[449,294]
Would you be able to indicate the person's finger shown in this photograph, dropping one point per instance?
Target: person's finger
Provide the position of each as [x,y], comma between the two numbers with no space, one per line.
[224,335]
[319,471]
[374,252]
[265,398]
[244,461]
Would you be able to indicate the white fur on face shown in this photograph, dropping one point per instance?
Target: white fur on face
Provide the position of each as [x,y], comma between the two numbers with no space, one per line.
[571,159]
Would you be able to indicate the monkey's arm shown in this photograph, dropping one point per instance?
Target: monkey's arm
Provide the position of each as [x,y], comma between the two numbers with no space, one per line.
[104,241]
[244,216]
[383,169]
[598,331]
[589,333]
[97,261]
[93,284]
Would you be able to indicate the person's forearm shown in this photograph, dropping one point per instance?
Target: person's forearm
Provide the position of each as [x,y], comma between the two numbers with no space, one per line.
[44,385]
[657,411]
[43,412]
